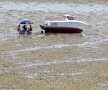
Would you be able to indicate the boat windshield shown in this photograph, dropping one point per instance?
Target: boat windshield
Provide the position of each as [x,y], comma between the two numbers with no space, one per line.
[70,18]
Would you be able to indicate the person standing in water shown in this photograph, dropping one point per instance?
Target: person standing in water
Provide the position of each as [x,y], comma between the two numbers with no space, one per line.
[24,29]
[29,30]
[18,28]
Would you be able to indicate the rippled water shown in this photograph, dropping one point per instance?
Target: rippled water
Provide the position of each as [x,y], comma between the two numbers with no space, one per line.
[40,50]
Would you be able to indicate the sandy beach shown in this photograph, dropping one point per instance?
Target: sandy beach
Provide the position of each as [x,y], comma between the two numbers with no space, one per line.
[58,74]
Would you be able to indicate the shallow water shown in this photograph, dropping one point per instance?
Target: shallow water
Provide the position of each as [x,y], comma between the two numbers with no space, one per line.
[44,53]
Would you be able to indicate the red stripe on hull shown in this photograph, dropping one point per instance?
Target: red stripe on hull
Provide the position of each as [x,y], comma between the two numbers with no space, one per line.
[62,30]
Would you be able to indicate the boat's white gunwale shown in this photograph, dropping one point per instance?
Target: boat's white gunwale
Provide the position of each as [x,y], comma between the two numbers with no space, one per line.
[67,21]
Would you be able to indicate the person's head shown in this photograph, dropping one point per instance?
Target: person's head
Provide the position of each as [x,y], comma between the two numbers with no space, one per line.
[24,26]
[18,25]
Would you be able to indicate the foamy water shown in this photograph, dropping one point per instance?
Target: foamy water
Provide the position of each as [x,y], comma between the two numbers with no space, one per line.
[49,7]
[30,64]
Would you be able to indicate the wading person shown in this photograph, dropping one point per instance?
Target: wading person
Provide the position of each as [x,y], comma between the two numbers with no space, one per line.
[18,28]
[29,30]
[24,29]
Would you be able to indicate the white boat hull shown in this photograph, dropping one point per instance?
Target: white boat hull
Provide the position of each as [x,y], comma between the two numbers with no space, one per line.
[66,26]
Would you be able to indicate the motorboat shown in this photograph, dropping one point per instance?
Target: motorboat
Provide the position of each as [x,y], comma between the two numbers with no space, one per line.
[69,25]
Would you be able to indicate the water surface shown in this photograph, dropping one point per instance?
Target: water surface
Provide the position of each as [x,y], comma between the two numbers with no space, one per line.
[53,55]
